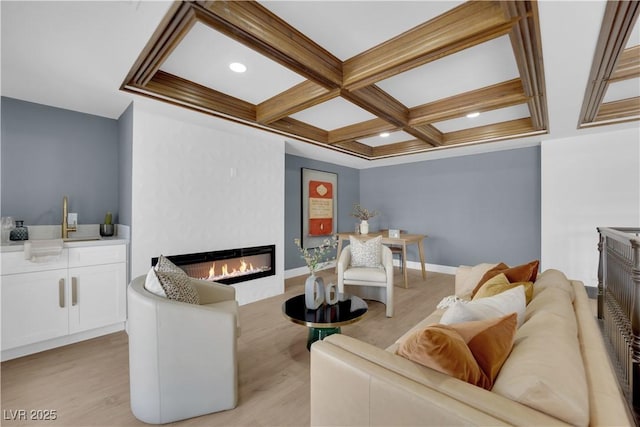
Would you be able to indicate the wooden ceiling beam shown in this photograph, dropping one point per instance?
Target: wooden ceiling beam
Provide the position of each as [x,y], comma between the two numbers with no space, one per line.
[174,26]
[176,88]
[527,48]
[379,103]
[356,148]
[628,65]
[617,26]
[255,26]
[500,95]
[300,97]
[467,25]
[426,133]
[512,128]
[301,129]
[360,130]
[400,148]
[616,110]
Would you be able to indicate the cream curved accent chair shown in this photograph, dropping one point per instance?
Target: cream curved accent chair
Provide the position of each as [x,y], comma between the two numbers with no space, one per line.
[182,357]
[368,282]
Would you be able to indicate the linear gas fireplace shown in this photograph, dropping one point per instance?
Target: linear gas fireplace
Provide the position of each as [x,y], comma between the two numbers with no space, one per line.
[228,266]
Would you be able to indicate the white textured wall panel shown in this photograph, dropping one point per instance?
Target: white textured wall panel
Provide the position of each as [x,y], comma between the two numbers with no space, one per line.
[198,188]
[587,182]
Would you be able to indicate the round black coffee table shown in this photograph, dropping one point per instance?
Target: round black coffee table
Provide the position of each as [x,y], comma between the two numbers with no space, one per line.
[326,319]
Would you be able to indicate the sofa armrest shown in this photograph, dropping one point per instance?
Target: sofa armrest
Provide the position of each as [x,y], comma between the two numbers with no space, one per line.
[354,383]
[211,292]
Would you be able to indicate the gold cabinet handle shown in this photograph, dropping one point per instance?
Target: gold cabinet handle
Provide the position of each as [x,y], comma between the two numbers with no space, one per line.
[61,293]
[74,291]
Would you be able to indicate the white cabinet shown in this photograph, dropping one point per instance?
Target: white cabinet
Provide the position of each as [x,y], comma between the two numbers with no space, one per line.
[81,295]
[98,296]
[33,307]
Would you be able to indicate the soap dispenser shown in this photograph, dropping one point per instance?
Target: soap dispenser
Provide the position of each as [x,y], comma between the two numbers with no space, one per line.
[20,232]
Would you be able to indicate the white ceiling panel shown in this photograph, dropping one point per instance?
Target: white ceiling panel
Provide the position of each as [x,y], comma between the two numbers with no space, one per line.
[346,28]
[486,118]
[333,114]
[634,39]
[622,89]
[204,57]
[474,68]
[376,141]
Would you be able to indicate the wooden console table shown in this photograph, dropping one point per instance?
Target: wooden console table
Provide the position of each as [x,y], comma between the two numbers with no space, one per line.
[403,240]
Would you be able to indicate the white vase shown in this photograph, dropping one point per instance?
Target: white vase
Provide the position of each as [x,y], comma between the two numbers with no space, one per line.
[313,292]
[364,227]
[331,294]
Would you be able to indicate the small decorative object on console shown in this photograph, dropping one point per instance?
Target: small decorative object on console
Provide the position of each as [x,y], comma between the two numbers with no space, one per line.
[364,215]
[20,232]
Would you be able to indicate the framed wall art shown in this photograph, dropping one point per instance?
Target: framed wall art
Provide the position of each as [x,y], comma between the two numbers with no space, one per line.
[319,206]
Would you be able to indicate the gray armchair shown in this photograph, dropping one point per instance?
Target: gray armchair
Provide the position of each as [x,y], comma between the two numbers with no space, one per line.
[368,282]
[182,357]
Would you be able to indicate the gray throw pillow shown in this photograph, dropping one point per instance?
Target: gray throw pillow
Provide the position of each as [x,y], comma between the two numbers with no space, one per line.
[167,266]
[367,253]
[177,287]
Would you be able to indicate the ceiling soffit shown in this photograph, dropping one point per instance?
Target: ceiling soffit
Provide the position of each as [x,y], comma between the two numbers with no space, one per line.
[614,61]
[354,80]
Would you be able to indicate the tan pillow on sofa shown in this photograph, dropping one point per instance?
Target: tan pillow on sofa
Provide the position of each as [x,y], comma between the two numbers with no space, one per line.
[471,351]
[473,276]
[499,284]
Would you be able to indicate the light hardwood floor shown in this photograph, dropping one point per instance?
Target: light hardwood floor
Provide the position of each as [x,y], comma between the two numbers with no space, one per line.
[87,384]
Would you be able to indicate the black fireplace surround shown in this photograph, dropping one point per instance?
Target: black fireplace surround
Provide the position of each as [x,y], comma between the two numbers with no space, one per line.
[227,266]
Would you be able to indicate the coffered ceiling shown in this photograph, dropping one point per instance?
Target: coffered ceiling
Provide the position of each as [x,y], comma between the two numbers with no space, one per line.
[331,76]
[403,90]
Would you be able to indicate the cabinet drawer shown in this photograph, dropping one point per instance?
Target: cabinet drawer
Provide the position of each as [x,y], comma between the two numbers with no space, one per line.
[14,262]
[97,255]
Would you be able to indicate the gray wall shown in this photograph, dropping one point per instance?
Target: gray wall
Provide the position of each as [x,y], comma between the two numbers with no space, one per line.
[348,193]
[50,152]
[479,208]
[125,165]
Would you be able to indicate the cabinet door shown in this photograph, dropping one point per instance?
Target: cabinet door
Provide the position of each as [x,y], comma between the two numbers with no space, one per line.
[34,307]
[98,296]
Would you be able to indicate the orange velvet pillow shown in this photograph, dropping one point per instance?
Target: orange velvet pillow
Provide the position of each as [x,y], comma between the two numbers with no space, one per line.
[519,273]
[470,351]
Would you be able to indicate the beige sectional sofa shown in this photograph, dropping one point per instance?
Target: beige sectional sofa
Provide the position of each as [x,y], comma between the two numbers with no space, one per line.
[558,373]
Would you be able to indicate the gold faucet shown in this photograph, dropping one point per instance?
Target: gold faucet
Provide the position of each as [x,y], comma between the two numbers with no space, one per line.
[65,222]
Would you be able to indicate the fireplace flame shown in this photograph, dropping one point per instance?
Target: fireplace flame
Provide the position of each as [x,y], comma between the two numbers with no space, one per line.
[226,271]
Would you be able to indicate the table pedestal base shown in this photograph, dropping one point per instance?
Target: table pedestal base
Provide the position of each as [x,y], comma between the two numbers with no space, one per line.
[317,334]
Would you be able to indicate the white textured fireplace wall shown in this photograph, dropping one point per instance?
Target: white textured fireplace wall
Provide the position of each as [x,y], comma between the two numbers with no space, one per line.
[205,184]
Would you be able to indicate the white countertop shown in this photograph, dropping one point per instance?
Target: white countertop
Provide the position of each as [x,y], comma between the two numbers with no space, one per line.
[88,231]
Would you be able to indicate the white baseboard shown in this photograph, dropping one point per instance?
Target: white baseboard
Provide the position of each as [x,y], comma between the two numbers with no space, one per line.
[414,265]
[25,350]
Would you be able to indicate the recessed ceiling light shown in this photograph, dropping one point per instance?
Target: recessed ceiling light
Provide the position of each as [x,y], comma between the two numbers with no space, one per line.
[472,115]
[238,67]
[384,134]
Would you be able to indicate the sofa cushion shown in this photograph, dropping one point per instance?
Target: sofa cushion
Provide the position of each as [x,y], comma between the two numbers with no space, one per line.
[366,274]
[519,273]
[177,287]
[473,276]
[366,253]
[510,301]
[554,385]
[500,283]
[470,351]
[554,279]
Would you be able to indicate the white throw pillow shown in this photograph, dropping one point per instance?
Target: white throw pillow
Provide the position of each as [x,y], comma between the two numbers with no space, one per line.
[152,284]
[507,302]
[366,253]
